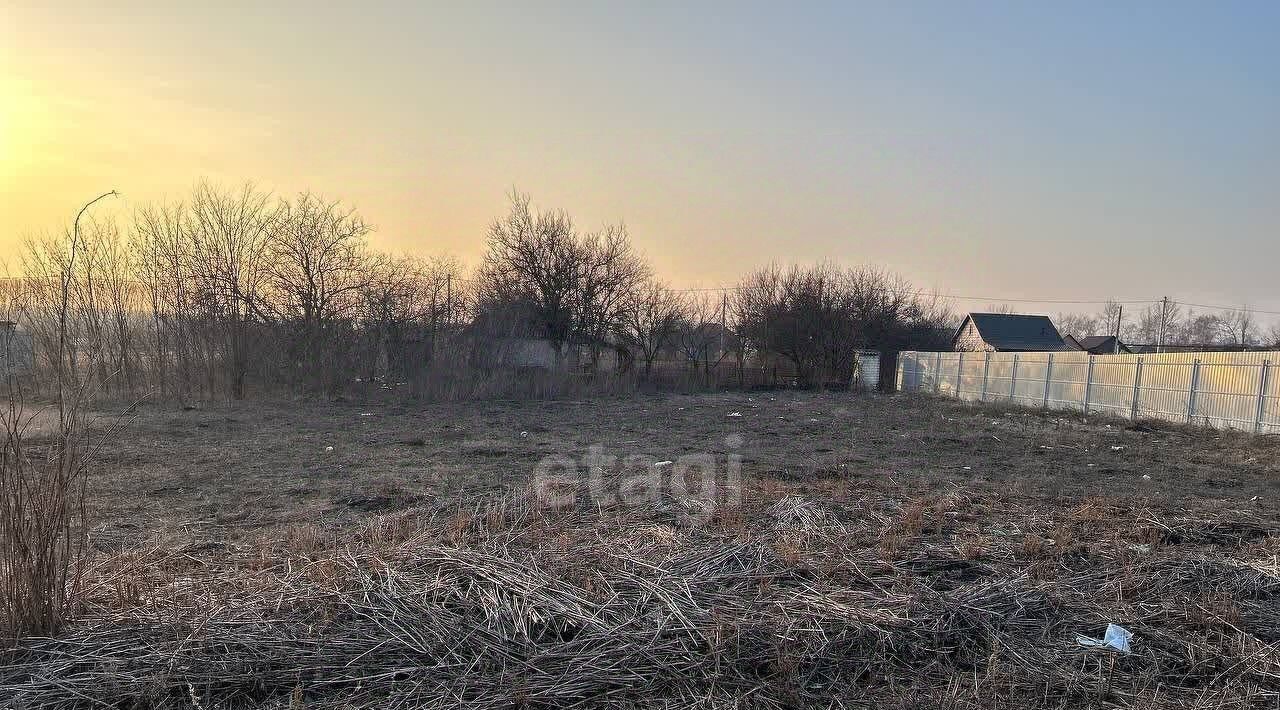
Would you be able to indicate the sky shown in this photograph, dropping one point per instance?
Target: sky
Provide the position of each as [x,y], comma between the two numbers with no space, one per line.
[1000,151]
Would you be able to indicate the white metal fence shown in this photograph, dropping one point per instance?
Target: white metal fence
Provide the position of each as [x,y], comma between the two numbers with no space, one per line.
[1225,390]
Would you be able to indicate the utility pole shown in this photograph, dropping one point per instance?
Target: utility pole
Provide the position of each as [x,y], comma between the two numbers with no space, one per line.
[724,324]
[1164,315]
[1119,321]
[448,299]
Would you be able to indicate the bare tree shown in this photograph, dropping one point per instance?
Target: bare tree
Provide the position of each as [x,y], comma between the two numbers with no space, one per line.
[316,263]
[316,258]
[700,334]
[1159,321]
[649,317]
[611,274]
[160,243]
[409,300]
[1273,336]
[1112,319]
[535,258]
[805,315]
[819,317]
[572,287]
[1198,329]
[1080,325]
[229,242]
[1238,327]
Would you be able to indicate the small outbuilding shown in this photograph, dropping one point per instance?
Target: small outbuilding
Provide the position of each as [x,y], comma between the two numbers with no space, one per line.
[16,350]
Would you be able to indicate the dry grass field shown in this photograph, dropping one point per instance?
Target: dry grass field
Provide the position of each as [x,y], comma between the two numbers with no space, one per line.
[881,551]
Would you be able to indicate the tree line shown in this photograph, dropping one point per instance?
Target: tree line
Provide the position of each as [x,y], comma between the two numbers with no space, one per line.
[235,291]
[1173,324]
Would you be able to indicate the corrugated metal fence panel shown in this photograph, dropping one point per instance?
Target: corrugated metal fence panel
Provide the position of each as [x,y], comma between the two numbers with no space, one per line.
[1229,387]
[1232,390]
[948,380]
[1111,389]
[999,377]
[1028,387]
[1070,370]
[972,368]
[869,370]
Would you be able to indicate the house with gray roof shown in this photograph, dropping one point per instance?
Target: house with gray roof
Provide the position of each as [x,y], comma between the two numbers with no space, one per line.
[1007,332]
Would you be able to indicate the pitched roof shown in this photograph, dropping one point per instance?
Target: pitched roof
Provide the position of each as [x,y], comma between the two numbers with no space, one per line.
[1070,343]
[1102,344]
[1011,331]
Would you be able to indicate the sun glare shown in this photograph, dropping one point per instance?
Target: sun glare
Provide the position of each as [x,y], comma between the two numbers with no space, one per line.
[7,99]
[17,126]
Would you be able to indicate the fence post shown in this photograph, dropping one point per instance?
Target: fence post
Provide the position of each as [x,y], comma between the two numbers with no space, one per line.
[1191,395]
[1048,378]
[937,373]
[986,367]
[1013,379]
[1137,389]
[1263,381]
[1088,384]
[959,374]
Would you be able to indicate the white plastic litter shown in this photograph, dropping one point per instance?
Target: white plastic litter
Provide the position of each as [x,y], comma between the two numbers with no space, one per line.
[1115,638]
[661,464]
[735,414]
[524,435]
[328,448]
[1146,477]
[366,414]
[1117,448]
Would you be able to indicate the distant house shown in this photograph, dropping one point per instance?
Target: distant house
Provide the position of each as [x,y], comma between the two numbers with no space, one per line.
[16,351]
[1007,332]
[1101,345]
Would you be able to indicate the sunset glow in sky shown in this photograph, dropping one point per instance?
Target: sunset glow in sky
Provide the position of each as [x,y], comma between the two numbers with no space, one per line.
[1011,150]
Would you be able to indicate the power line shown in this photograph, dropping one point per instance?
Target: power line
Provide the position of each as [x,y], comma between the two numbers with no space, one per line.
[1227,308]
[927,292]
[991,299]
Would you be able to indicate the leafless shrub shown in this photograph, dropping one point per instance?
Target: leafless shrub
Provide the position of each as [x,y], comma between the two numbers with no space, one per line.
[818,317]
[650,316]
[42,485]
